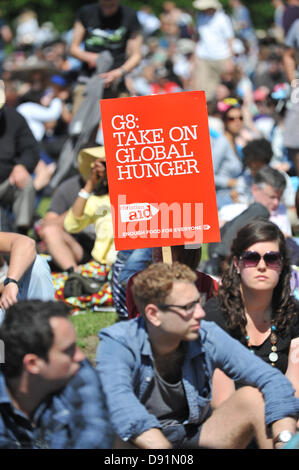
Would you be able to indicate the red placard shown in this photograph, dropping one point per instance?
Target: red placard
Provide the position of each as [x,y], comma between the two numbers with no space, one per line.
[160,170]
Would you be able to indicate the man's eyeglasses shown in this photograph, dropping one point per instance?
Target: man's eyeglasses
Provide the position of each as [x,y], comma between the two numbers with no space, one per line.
[189,308]
[251,259]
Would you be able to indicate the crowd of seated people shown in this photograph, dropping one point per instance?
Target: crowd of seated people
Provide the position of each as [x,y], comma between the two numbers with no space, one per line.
[161,379]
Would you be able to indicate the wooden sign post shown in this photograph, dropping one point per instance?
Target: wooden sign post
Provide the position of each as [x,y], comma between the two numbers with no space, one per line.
[166,254]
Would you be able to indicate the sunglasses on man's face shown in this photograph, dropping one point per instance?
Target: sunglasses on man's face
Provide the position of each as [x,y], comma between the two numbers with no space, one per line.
[251,259]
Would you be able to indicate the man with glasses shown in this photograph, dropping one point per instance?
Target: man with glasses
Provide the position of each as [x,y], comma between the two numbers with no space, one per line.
[156,373]
[267,188]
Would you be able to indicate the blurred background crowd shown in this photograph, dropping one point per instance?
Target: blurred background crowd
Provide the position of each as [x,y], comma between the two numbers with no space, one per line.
[183,49]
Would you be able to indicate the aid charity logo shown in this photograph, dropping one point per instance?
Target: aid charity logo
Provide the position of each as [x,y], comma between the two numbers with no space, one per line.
[137,212]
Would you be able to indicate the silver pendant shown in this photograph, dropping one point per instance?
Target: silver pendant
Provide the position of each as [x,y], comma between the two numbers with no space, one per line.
[273,356]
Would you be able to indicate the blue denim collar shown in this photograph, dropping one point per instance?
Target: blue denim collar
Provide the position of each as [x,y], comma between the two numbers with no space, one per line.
[145,346]
[60,413]
[192,348]
[5,399]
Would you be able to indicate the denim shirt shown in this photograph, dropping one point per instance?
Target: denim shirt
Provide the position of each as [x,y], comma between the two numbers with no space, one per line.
[75,418]
[126,367]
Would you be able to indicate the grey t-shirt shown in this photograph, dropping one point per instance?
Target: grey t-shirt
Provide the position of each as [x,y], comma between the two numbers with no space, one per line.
[64,197]
[166,401]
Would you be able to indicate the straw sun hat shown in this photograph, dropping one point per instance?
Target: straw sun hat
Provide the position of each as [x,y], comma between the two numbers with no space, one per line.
[87,157]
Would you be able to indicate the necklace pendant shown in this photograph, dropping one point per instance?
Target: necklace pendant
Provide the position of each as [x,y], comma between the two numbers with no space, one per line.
[273,338]
[273,356]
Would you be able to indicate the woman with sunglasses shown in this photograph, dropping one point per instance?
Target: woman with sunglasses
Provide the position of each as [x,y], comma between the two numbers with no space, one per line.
[255,303]
[226,153]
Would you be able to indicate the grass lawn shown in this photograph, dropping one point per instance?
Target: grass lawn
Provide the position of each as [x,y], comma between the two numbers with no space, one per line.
[43,206]
[87,326]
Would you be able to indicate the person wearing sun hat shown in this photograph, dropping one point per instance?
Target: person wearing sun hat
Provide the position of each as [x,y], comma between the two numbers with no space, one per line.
[87,158]
[92,205]
[214,47]
[68,251]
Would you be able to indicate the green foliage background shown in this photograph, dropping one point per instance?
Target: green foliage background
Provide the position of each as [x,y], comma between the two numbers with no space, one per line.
[62,12]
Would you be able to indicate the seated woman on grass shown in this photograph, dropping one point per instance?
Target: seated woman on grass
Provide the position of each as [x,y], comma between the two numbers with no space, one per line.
[92,205]
[255,304]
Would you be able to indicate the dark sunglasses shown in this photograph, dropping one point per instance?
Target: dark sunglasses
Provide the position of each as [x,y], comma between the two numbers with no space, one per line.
[237,118]
[251,259]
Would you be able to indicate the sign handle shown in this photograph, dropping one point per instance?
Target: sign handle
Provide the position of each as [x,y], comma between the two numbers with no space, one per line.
[166,254]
